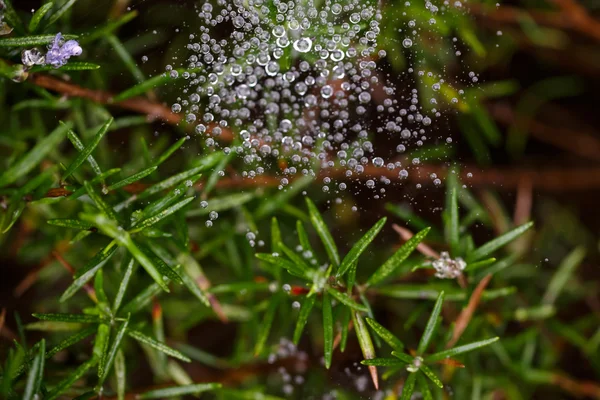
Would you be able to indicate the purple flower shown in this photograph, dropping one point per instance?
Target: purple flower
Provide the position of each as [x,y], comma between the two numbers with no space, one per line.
[60,51]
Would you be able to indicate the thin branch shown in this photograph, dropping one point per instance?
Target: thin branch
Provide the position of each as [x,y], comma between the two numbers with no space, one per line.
[406,234]
[467,313]
[573,18]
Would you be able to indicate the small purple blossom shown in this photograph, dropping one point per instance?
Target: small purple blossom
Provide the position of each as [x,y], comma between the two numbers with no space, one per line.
[60,51]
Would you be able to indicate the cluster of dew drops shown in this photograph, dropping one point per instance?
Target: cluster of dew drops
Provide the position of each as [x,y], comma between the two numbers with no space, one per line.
[294,82]
[293,88]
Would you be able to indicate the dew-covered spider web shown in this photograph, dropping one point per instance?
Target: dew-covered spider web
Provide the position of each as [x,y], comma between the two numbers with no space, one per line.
[296,88]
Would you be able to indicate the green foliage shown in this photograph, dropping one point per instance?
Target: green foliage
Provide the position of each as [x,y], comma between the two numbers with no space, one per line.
[156,279]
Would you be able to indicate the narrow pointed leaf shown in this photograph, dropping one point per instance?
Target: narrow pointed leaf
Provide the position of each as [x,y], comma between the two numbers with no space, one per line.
[65,6]
[359,247]
[366,344]
[431,375]
[403,357]
[383,362]
[223,203]
[65,384]
[169,182]
[87,151]
[140,337]
[281,262]
[299,262]
[128,260]
[303,237]
[110,228]
[178,391]
[431,325]
[143,87]
[323,232]
[70,318]
[345,322]
[11,16]
[563,274]
[409,387]
[266,324]
[163,214]
[385,334]
[70,223]
[161,267]
[424,387]
[109,357]
[346,300]
[133,178]
[71,340]
[327,330]
[38,15]
[194,288]
[172,149]
[100,203]
[80,147]
[31,41]
[493,245]
[34,156]
[480,264]
[84,274]
[71,66]
[120,374]
[459,350]
[397,259]
[305,310]
[36,373]
[142,299]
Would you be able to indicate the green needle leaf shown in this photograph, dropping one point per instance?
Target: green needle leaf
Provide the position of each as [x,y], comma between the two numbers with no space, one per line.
[360,247]
[563,274]
[281,262]
[424,387]
[385,334]
[36,373]
[431,375]
[409,386]
[84,274]
[177,391]
[403,357]
[266,325]
[163,214]
[70,223]
[128,260]
[431,325]
[87,151]
[100,203]
[459,350]
[346,300]
[69,318]
[34,157]
[323,232]
[140,337]
[327,330]
[39,14]
[133,178]
[61,11]
[395,260]
[305,310]
[383,362]
[71,340]
[493,245]
[31,41]
[65,384]
[109,357]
